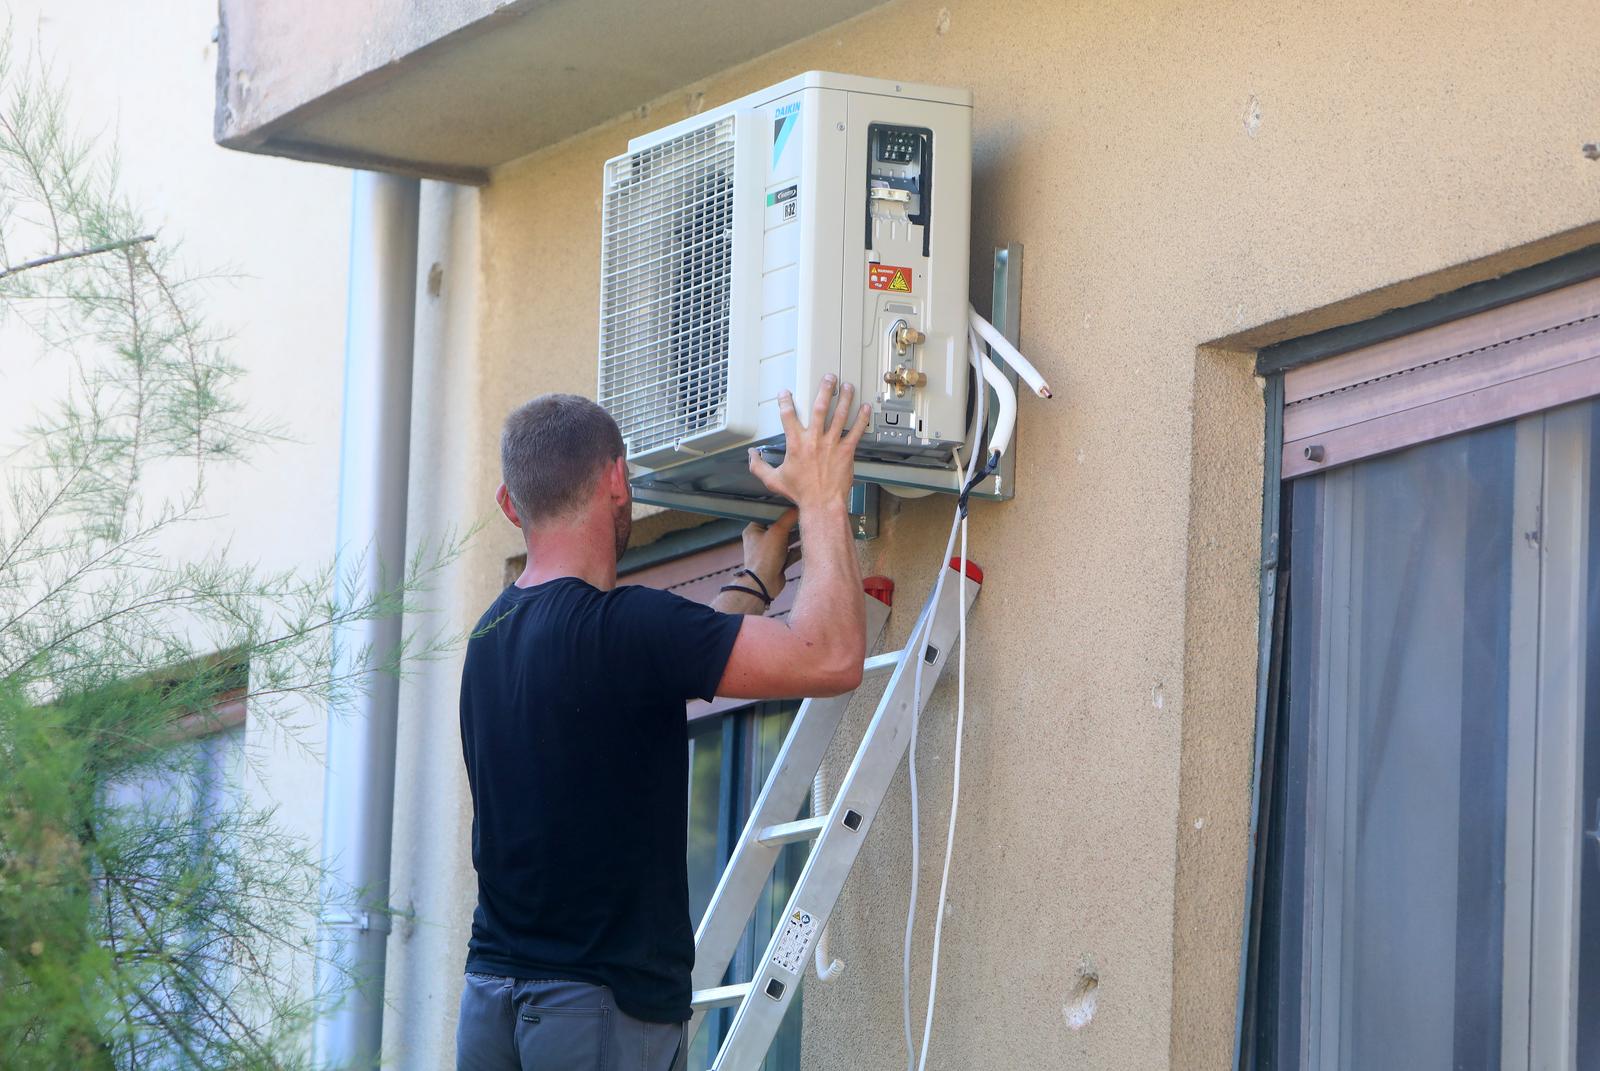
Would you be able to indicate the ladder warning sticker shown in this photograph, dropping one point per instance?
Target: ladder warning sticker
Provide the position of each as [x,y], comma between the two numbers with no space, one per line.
[798,929]
[888,277]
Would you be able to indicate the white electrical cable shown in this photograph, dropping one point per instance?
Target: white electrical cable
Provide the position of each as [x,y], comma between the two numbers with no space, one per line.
[917,1057]
[916,642]
[827,966]
[987,373]
[955,803]
[1009,353]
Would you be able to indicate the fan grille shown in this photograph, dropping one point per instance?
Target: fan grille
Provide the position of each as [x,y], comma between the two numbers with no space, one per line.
[666,267]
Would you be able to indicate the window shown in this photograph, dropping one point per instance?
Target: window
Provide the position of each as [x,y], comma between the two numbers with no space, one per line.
[730,755]
[174,812]
[1428,877]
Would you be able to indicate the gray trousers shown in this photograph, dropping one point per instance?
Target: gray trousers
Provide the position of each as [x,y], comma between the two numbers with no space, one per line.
[508,1024]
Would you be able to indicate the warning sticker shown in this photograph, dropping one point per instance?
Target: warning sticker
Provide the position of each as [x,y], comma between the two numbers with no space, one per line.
[888,277]
[798,930]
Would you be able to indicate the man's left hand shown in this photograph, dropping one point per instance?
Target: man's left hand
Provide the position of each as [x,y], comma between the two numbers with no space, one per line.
[766,550]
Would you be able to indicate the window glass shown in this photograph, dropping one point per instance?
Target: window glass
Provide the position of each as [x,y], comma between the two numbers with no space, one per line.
[1429,894]
[180,804]
[709,807]
[1588,999]
[768,732]
[730,756]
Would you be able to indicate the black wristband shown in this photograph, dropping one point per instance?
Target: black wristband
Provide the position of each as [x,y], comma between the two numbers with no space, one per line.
[767,599]
[766,593]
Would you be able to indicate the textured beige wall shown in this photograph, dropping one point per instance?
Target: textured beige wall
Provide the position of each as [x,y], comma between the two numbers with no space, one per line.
[1179,174]
[1218,727]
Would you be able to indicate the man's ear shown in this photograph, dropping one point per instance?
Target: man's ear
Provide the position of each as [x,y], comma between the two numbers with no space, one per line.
[508,507]
[617,481]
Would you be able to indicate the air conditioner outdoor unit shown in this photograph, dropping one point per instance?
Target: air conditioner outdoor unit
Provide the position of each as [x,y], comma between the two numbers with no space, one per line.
[817,226]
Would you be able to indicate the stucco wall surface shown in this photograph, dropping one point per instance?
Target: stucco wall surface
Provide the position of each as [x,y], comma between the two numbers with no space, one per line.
[1178,174]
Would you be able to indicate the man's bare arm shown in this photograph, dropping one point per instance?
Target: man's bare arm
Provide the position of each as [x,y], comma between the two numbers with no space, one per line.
[819,650]
[766,554]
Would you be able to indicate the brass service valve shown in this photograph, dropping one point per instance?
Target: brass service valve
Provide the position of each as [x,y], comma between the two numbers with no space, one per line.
[906,336]
[903,378]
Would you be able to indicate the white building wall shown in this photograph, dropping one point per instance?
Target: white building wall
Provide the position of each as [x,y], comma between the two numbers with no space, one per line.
[141,77]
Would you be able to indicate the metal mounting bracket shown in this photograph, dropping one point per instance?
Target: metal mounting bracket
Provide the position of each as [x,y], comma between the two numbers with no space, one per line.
[1007,317]
[864,510]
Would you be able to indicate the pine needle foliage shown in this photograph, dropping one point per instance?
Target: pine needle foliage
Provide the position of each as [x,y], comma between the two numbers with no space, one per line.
[149,916]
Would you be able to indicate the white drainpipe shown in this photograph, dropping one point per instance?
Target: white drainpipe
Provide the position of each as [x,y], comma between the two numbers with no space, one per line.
[374,455]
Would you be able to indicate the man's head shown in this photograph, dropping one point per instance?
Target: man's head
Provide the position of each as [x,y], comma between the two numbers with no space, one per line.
[562,460]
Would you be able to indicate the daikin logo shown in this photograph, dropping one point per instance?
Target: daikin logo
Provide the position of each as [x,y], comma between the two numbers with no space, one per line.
[783,121]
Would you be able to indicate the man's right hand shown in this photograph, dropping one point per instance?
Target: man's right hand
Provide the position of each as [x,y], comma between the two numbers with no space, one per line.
[819,459]
[819,649]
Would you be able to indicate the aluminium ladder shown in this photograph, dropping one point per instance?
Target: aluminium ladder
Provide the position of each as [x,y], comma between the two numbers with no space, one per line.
[838,833]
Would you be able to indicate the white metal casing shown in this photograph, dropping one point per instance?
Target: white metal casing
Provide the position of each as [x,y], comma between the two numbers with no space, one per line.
[718,292]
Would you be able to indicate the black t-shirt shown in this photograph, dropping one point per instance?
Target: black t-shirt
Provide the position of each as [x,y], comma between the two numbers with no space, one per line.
[573,728]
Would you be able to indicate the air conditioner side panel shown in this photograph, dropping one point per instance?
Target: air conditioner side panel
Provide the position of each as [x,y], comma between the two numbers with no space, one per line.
[784,196]
[936,301]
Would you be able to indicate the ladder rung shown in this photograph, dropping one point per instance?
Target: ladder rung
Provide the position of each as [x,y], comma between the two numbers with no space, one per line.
[881,663]
[786,832]
[723,996]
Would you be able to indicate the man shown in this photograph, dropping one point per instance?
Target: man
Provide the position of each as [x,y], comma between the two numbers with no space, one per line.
[576,744]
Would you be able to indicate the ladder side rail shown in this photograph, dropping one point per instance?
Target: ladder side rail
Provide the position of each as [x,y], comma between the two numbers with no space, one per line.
[751,862]
[856,803]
